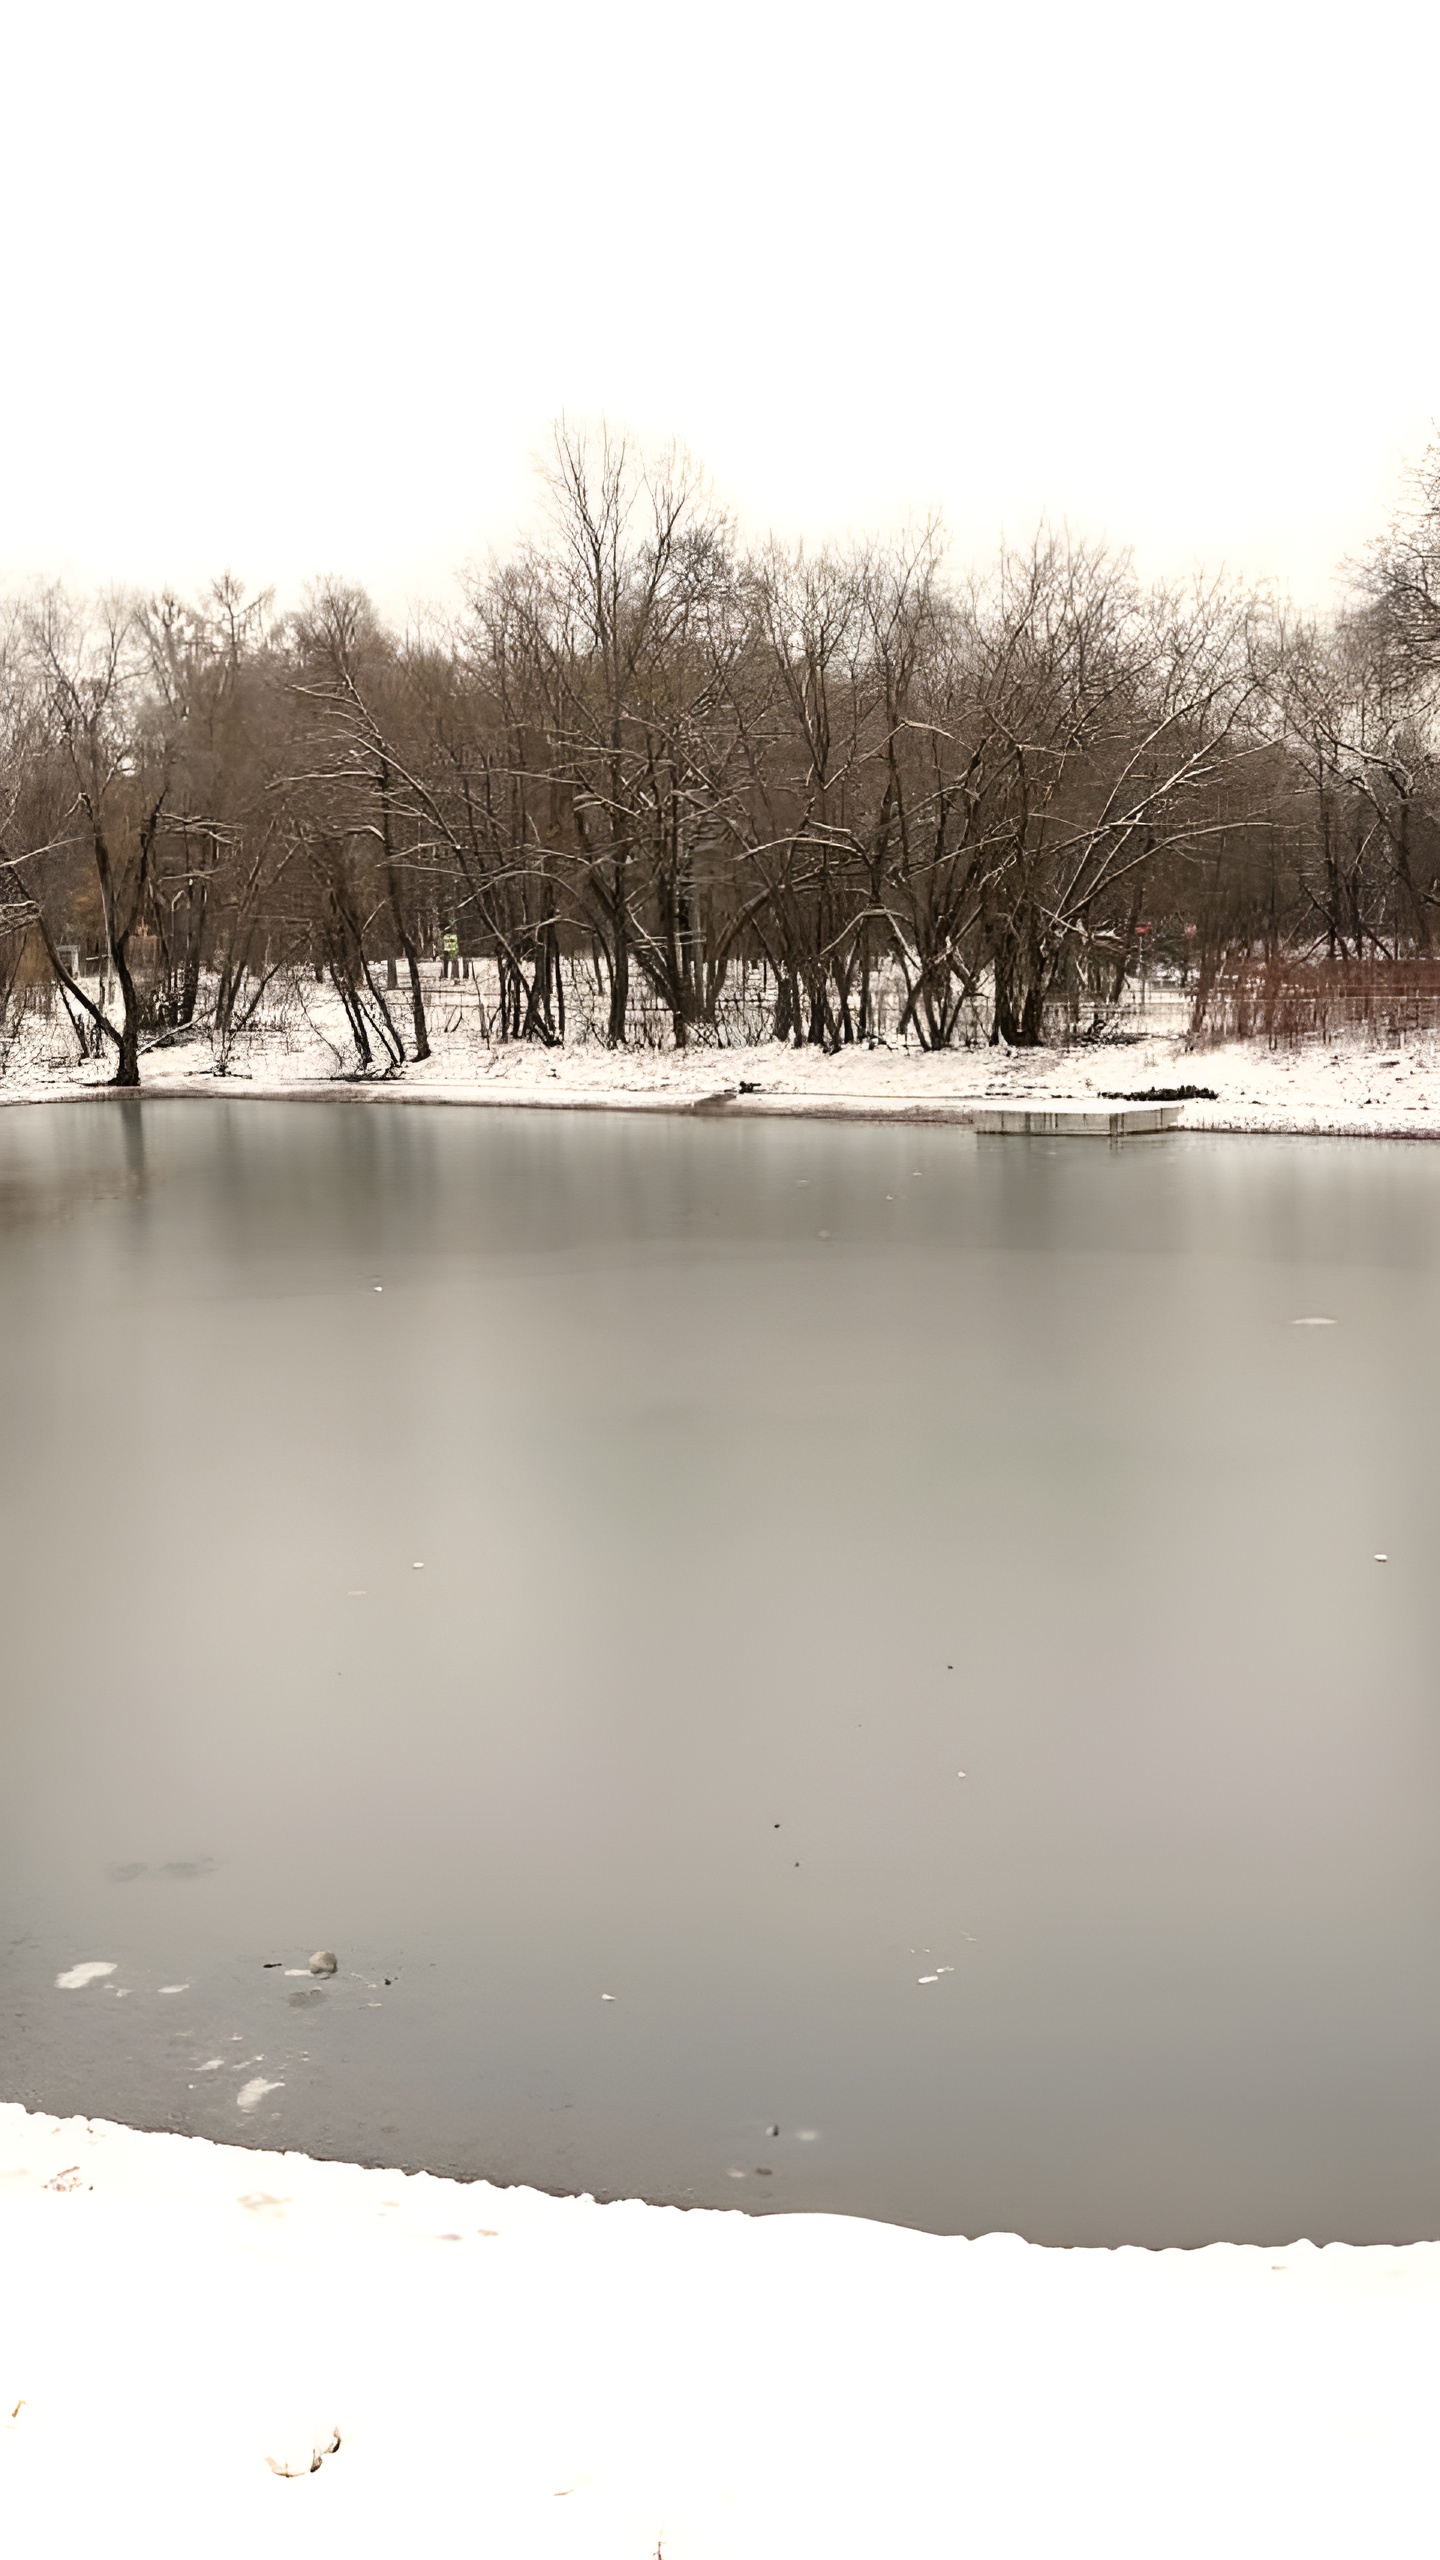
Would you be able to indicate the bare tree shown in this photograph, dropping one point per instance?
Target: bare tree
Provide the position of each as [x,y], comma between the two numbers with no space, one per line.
[107,753]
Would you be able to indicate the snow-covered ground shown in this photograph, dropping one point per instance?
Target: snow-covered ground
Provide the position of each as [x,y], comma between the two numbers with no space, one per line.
[1350,1089]
[185,2328]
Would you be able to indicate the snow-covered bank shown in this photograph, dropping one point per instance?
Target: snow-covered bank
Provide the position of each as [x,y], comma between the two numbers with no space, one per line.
[184,2328]
[1351,1090]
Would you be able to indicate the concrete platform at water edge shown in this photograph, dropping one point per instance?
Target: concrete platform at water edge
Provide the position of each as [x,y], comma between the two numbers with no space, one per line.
[1075,1120]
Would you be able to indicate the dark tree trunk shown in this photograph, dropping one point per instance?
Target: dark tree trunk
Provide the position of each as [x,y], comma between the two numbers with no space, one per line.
[419,1025]
[127,1056]
[619,960]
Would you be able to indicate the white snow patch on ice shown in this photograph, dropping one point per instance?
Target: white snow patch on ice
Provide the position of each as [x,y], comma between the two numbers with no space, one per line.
[254,2090]
[80,1974]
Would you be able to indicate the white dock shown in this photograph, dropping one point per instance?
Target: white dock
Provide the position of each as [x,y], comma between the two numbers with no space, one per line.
[1076,1120]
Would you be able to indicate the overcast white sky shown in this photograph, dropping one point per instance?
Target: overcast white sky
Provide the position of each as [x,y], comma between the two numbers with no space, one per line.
[298,286]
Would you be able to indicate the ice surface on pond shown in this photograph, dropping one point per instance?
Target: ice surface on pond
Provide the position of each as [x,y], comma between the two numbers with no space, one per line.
[708,1515]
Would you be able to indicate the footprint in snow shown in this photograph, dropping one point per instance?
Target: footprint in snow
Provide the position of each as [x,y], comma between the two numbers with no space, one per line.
[299,2470]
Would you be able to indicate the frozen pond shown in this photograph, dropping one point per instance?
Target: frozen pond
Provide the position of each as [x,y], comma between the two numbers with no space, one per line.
[543,1556]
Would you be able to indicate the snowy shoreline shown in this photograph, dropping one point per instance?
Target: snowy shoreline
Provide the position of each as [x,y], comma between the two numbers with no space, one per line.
[185,2327]
[1349,1090]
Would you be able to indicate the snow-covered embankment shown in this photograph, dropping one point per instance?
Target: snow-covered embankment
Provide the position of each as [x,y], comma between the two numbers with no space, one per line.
[185,2328]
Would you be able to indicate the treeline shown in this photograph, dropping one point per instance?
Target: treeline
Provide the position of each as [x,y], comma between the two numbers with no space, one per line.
[741,791]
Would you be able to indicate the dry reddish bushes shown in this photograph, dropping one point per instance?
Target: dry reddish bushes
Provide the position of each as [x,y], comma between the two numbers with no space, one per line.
[1288,1002]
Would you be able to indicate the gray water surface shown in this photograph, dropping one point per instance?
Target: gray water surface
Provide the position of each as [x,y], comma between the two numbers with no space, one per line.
[761,1478]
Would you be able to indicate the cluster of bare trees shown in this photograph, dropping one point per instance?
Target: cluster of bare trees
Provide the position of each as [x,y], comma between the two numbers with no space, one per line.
[651,774]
